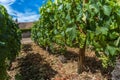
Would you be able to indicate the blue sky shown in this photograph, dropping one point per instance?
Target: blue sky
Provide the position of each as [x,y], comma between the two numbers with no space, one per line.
[23,10]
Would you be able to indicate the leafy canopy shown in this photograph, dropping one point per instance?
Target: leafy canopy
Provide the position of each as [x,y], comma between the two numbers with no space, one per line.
[9,41]
[74,22]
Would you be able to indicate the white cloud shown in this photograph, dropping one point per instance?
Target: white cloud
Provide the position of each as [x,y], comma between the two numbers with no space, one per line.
[28,16]
[7,2]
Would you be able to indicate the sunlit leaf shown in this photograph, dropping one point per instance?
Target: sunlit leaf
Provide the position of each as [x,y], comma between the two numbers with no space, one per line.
[107,10]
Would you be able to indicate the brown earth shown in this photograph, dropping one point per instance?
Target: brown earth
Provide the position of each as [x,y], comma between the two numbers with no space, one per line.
[26,41]
[35,63]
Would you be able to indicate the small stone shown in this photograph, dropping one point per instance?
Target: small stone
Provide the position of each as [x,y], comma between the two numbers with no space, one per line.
[62,59]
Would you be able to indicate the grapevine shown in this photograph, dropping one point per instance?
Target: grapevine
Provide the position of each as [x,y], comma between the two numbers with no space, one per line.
[80,23]
[10,36]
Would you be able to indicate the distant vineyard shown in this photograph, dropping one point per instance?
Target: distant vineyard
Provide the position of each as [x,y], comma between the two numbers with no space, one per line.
[10,36]
[80,23]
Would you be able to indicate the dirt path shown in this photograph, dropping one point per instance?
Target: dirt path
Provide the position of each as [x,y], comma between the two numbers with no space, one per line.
[26,40]
[35,63]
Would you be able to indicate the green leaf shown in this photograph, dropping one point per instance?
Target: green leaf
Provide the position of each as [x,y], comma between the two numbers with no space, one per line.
[2,43]
[58,36]
[101,30]
[94,8]
[107,10]
[118,11]
[60,7]
[68,17]
[114,35]
[91,35]
[68,30]
[71,32]
[117,42]
[111,50]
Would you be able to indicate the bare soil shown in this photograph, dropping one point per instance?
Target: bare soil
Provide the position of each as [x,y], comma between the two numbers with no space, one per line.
[35,63]
[26,41]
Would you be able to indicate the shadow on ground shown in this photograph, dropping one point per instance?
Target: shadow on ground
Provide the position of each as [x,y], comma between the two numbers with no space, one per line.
[27,47]
[34,67]
[92,64]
